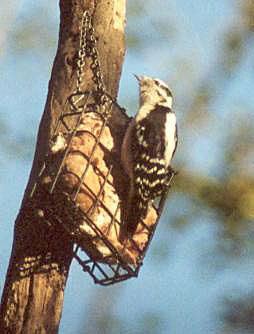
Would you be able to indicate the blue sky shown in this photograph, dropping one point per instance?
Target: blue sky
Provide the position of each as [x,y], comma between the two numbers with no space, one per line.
[185,289]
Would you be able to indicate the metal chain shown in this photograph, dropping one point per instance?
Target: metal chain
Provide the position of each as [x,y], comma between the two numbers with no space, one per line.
[87,47]
[82,49]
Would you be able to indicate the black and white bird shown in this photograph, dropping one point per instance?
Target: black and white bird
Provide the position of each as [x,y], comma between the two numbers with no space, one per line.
[149,144]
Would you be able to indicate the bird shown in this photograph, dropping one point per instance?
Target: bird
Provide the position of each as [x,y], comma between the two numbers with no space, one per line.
[148,147]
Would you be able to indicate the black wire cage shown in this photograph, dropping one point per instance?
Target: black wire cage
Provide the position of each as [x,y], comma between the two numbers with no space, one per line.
[94,229]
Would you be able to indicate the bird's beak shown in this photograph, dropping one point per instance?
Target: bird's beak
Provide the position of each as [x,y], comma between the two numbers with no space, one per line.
[137,77]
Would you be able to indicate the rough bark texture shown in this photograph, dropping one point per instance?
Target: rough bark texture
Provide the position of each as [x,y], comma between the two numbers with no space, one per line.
[34,290]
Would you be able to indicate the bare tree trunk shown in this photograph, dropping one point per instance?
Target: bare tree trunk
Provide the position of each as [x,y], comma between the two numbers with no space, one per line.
[34,289]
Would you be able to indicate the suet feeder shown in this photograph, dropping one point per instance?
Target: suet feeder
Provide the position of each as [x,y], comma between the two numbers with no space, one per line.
[79,187]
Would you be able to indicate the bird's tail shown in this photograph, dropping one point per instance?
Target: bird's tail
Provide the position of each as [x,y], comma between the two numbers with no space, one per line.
[136,210]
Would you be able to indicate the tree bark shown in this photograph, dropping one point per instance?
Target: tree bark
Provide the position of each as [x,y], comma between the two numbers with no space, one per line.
[33,295]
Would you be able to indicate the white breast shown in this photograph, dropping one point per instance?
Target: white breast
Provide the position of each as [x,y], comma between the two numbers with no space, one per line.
[170,137]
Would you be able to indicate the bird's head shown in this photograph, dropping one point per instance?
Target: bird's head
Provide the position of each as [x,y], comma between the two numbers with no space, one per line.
[154,92]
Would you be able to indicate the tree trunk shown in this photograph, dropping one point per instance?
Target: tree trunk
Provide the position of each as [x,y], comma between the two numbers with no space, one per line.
[34,289]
